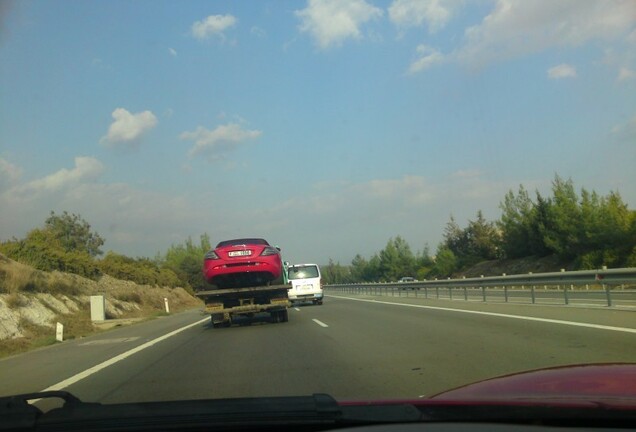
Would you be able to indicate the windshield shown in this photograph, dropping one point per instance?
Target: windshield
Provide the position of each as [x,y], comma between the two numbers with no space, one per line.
[240,242]
[303,272]
[483,151]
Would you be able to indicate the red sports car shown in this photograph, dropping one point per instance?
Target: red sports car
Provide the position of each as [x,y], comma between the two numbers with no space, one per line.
[243,262]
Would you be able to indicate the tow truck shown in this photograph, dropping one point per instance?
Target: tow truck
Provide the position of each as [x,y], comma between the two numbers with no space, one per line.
[224,305]
[249,278]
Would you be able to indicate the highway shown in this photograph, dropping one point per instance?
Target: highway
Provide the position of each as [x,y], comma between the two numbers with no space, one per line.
[351,347]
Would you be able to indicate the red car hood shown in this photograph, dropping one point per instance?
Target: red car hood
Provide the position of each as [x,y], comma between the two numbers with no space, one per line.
[604,384]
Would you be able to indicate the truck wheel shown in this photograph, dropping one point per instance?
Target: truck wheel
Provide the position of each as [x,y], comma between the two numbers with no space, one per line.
[275,317]
[285,315]
[217,324]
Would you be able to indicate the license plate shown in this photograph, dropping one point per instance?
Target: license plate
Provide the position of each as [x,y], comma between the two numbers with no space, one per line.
[239,253]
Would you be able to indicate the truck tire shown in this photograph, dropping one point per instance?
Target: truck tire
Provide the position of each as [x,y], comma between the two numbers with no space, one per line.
[275,316]
[215,324]
[285,315]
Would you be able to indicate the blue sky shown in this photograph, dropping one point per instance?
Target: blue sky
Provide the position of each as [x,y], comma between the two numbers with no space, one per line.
[325,126]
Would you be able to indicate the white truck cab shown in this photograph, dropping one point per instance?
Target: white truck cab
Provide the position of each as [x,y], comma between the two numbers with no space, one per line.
[305,283]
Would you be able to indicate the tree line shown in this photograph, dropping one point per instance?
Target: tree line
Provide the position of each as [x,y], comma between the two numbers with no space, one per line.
[67,243]
[586,229]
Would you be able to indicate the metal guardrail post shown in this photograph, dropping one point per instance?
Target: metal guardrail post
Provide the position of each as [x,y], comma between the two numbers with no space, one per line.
[584,280]
[532,294]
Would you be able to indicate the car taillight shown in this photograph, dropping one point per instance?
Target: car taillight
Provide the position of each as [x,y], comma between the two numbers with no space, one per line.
[211,255]
[269,251]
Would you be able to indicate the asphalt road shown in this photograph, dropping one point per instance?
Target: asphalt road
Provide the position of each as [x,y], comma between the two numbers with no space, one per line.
[351,348]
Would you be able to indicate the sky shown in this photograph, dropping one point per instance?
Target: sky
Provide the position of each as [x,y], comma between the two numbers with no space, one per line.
[325,126]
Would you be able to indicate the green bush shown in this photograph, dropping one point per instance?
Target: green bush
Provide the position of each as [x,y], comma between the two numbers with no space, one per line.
[141,270]
[41,250]
[185,261]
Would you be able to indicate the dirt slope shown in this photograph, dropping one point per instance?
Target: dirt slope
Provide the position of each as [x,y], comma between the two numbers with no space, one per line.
[33,301]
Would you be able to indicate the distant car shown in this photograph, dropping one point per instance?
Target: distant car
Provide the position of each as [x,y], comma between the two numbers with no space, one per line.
[242,263]
[305,283]
[408,279]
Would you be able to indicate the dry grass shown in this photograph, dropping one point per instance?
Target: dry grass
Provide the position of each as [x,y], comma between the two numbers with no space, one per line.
[16,277]
[35,336]
[15,300]
[77,325]
[130,296]
[19,282]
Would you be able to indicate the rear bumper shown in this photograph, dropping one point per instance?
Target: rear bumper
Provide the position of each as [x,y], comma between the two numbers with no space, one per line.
[215,268]
[305,296]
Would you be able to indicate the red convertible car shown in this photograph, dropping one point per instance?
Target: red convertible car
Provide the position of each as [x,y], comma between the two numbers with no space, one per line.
[243,262]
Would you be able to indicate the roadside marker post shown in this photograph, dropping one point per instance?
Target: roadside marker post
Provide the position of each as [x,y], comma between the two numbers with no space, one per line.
[59,332]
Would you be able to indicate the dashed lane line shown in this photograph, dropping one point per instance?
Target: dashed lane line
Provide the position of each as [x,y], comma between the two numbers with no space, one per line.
[320,323]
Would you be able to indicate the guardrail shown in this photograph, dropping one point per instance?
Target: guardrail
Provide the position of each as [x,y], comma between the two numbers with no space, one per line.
[613,287]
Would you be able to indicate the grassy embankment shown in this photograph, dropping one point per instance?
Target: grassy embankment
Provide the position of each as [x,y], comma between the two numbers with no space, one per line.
[33,301]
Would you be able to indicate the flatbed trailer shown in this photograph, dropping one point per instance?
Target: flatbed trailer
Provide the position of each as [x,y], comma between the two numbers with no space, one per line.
[224,305]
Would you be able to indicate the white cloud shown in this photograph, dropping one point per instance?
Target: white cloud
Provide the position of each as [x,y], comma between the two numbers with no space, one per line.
[172,51]
[409,190]
[9,174]
[330,22]
[127,128]
[133,221]
[87,169]
[562,71]
[520,27]
[412,13]
[213,25]
[415,207]
[426,57]
[626,131]
[258,32]
[625,73]
[214,143]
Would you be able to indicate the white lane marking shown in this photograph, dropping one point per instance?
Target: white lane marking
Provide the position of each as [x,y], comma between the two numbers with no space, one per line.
[88,372]
[320,323]
[298,309]
[109,341]
[495,314]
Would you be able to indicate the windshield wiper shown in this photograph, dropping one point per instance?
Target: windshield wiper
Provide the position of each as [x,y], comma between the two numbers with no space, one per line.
[314,412]
[308,413]
[19,412]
